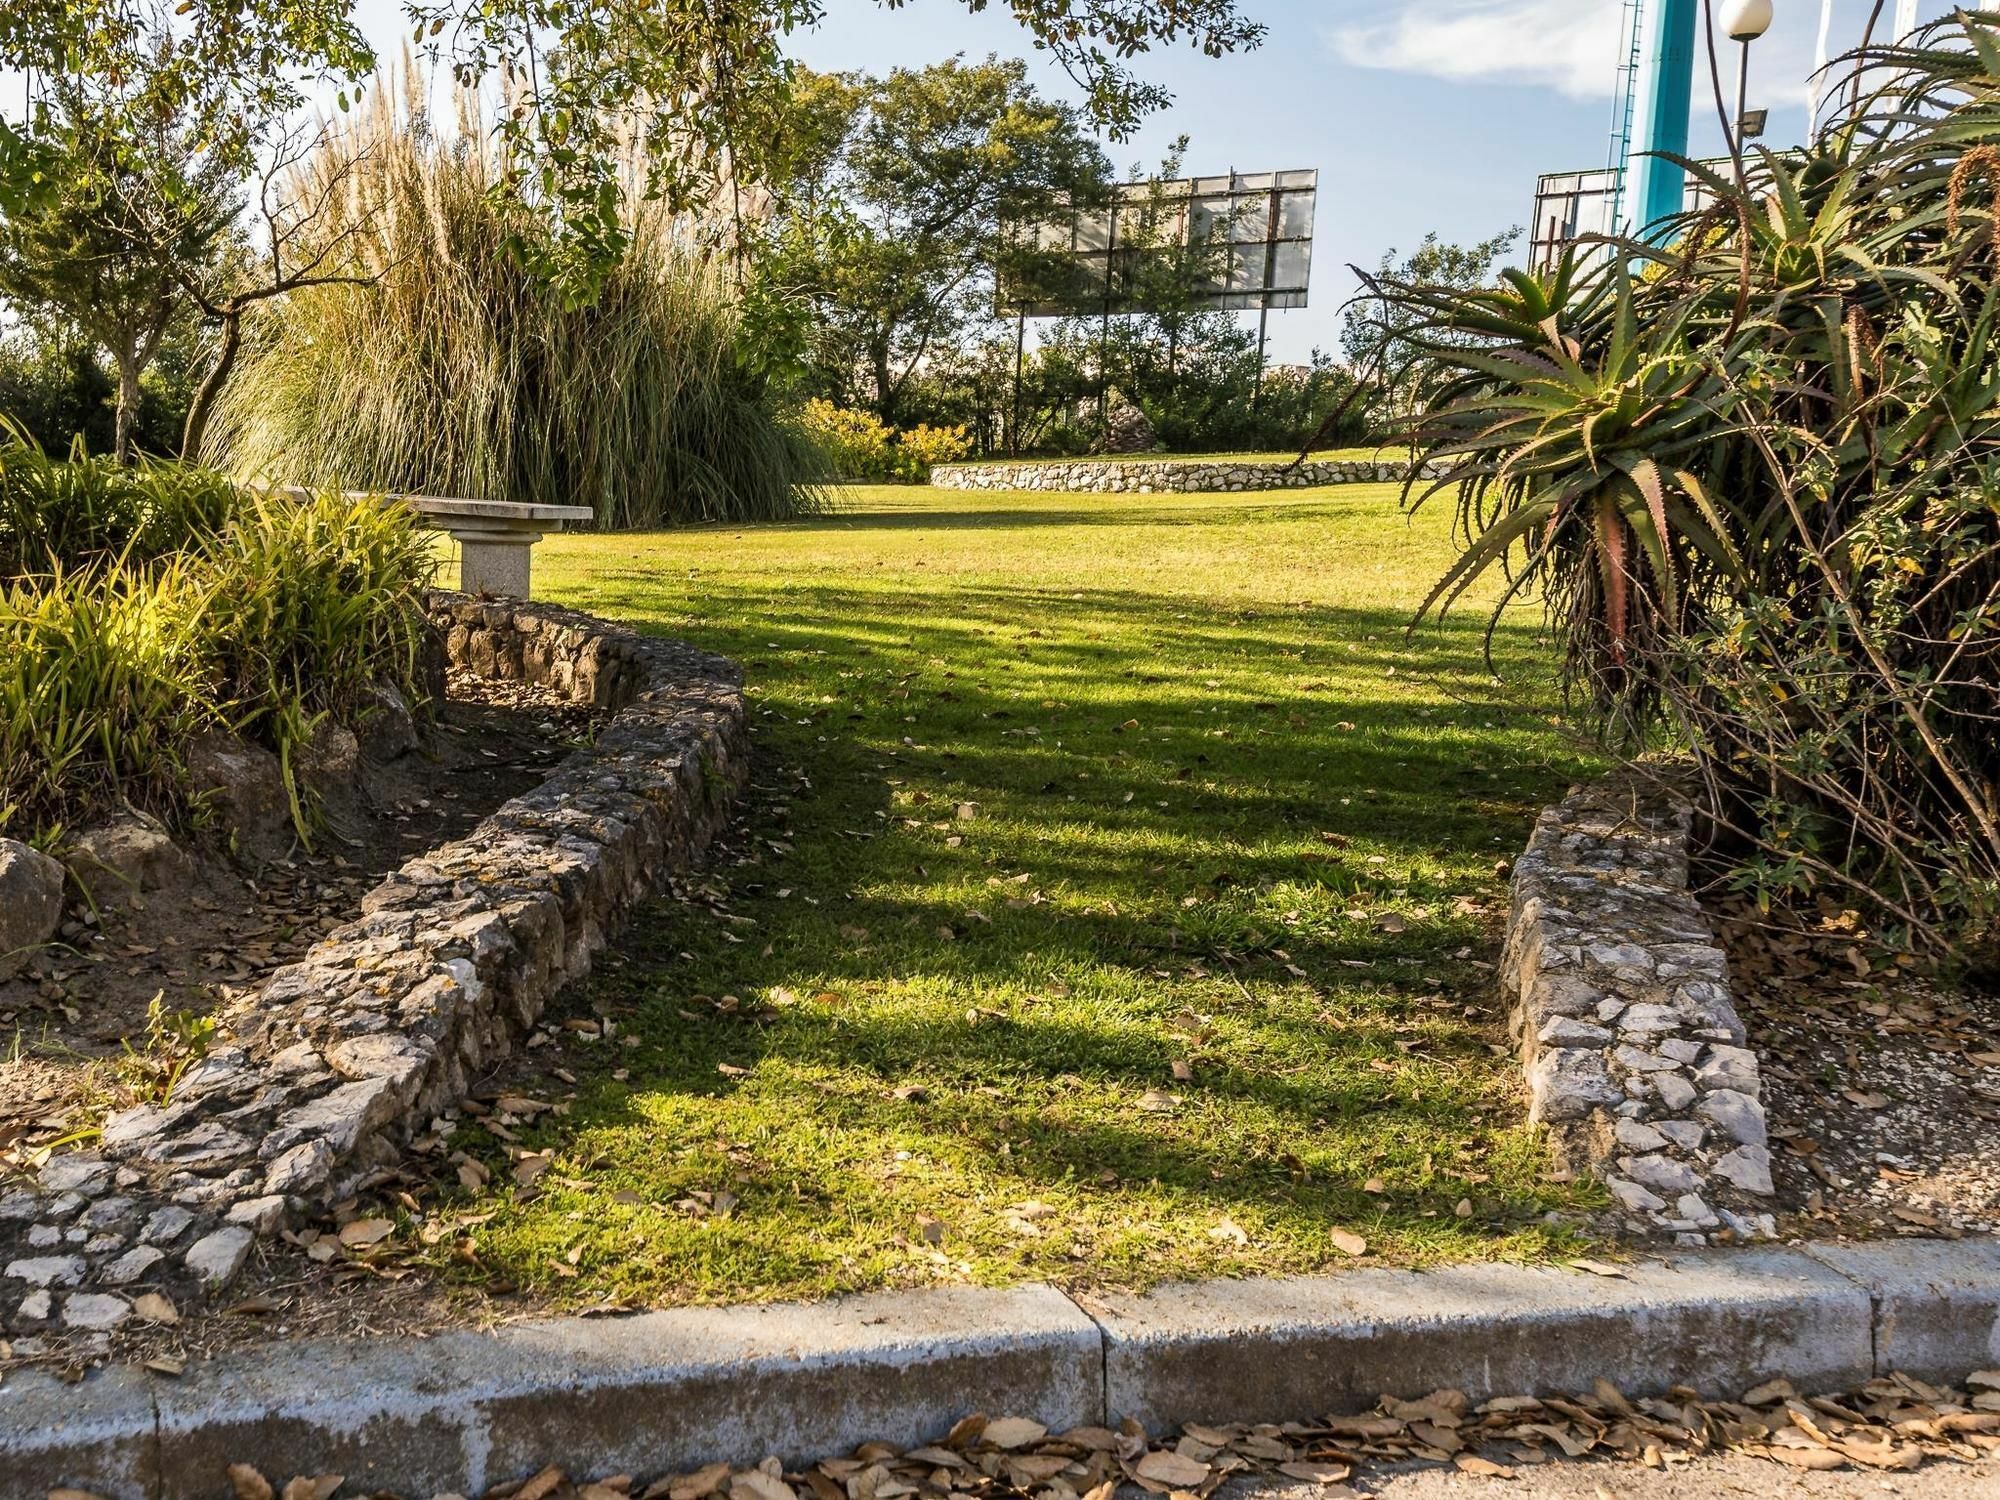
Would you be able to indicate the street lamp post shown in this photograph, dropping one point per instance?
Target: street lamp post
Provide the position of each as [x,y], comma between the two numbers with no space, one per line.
[1744,21]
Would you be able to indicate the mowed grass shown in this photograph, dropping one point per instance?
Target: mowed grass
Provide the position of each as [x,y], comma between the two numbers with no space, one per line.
[1116,902]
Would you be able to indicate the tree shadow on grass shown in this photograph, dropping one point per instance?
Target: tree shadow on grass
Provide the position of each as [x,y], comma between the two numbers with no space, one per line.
[920,1002]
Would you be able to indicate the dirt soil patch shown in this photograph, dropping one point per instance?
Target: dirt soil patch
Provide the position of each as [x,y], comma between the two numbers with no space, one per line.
[84,1012]
[1882,1088]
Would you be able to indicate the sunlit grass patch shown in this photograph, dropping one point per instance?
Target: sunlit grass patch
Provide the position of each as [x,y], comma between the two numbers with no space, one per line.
[1115,903]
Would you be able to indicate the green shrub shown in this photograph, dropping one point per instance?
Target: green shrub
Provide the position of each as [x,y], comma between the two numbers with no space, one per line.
[460,374]
[69,513]
[923,447]
[56,389]
[103,681]
[1756,483]
[854,443]
[314,600]
[859,446]
[161,603]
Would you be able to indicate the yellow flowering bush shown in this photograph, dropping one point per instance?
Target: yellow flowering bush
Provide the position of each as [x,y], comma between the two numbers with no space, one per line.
[859,445]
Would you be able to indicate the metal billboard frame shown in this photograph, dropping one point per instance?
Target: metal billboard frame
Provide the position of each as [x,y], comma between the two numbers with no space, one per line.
[1569,205]
[1266,219]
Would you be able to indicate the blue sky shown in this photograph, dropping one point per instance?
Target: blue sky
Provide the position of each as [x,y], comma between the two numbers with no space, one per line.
[1419,116]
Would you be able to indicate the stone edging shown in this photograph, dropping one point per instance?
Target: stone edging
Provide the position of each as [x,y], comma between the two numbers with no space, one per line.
[665,1392]
[1139,477]
[1634,1051]
[377,1028]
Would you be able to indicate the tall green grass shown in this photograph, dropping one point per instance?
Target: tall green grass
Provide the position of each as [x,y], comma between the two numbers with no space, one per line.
[102,685]
[457,373]
[146,607]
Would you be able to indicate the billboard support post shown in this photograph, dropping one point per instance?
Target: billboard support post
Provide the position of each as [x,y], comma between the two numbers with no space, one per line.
[1020,342]
[1271,228]
[1104,328]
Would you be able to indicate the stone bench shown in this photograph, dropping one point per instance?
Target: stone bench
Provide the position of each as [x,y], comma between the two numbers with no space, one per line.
[496,538]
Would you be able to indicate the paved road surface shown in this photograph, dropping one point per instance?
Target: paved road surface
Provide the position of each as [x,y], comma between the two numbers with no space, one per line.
[1704,1479]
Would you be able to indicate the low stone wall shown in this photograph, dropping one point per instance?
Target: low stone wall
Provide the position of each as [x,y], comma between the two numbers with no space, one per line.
[1635,1054]
[1096,476]
[378,1028]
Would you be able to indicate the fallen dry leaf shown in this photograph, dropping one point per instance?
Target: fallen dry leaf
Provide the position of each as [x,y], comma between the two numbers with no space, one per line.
[1807,1458]
[365,1232]
[153,1307]
[1347,1242]
[1313,1473]
[1599,1268]
[1012,1432]
[755,1484]
[1485,1468]
[1164,1466]
[1767,1393]
[542,1485]
[699,1485]
[247,1483]
[313,1487]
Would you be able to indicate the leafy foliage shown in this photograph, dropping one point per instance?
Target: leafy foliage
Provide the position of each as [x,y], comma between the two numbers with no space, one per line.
[148,605]
[897,201]
[1754,473]
[56,515]
[1374,331]
[702,84]
[859,445]
[135,207]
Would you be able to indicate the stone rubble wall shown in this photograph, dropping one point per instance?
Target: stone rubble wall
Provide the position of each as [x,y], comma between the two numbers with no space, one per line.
[1138,477]
[379,1027]
[1636,1058]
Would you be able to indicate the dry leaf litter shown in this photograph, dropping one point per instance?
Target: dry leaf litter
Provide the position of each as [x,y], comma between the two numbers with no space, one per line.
[1892,1424]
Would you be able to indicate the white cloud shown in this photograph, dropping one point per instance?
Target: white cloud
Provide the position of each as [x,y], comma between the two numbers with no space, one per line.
[1568,45]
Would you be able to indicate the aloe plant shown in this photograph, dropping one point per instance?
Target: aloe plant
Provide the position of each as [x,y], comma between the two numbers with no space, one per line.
[1751,470]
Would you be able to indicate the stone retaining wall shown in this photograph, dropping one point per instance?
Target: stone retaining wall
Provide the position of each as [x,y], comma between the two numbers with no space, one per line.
[1635,1054]
[1140,477]
[378,1028]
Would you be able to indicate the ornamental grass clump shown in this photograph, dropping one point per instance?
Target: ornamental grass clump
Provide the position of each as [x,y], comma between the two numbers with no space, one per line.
[146,607]
[103,684]
[90,508]
[456,372]
[1751,469]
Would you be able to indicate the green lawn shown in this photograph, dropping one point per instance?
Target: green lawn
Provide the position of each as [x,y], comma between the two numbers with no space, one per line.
[1113,908]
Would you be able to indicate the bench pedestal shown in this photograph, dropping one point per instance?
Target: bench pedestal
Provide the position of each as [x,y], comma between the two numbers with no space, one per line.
[492,559]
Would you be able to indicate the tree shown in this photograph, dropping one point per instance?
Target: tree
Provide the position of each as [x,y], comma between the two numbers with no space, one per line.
[701,83]
[1374,329]
[899,203]
[107,249]
[299,241]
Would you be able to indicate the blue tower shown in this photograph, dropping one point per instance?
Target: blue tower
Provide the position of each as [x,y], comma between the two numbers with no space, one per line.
[1656,189]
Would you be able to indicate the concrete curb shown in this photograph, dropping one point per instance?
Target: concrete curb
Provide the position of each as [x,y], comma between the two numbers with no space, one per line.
[667,1391]
[1269,1350]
